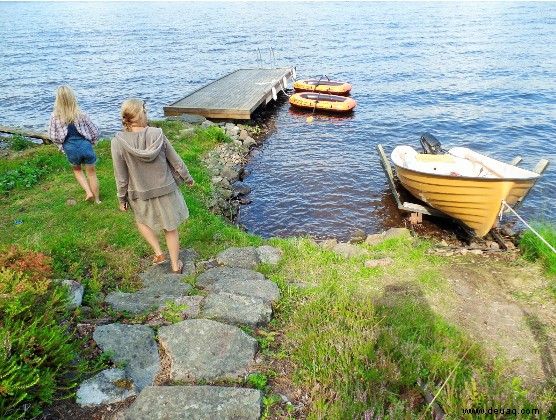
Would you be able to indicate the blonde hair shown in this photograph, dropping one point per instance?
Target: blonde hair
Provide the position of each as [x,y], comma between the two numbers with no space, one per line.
[132,112]
[65,105]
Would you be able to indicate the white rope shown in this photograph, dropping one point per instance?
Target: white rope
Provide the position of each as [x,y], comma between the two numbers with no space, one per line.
[525,223]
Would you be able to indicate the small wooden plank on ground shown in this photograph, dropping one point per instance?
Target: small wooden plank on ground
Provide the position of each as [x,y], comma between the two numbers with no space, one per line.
[498,238]
[26,133]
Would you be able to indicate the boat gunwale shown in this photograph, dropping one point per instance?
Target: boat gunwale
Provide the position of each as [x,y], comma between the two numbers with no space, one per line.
[340,98]
[317,82]
[482,179]
[527,174]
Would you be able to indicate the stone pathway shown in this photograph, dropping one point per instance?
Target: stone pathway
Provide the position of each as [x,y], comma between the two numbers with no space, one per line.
[207,346]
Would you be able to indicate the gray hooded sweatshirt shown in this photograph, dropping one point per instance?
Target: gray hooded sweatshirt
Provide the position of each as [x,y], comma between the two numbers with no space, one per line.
[146,165]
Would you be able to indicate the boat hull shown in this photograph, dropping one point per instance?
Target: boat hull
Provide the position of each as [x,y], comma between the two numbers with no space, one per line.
[473,201]
[322,102]
[324,86]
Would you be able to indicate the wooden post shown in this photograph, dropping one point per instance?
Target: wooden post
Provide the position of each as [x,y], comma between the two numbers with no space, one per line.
[416,218]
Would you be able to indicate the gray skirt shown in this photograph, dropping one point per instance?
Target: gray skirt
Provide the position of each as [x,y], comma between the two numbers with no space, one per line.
[165,212]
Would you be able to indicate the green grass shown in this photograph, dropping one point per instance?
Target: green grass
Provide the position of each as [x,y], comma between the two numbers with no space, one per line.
[536,249]
[357,339]
[361,338]
[85,235]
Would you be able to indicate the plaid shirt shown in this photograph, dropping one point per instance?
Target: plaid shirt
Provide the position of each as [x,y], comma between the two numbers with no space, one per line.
[58,130]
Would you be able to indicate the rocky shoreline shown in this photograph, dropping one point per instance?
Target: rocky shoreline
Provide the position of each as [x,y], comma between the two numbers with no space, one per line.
[226,163]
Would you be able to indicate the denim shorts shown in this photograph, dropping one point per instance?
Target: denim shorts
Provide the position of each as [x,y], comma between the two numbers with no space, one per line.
[79,151]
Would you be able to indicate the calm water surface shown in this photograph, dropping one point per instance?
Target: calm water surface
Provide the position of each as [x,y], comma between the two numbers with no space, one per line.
[479,75]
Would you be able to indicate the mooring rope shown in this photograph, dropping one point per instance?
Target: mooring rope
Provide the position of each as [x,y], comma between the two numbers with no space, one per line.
[525,223]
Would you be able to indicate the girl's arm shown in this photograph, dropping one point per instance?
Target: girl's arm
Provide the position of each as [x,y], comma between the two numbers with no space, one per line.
[88,129]
[176,162]
[121,174]
[57,132]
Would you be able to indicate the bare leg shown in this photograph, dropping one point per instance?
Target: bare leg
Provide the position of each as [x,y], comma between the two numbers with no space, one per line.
[173,243]
[82,180]
[150,237]
[93,181]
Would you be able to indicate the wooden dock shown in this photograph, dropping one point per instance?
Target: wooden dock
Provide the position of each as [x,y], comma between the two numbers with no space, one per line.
[235,96]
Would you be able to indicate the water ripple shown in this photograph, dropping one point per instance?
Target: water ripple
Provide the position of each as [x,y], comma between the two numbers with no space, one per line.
[481,75]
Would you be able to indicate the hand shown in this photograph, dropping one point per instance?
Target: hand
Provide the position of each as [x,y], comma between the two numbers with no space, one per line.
[123,207]
[190,184]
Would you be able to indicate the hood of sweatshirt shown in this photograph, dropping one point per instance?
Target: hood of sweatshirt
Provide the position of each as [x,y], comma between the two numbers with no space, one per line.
[145,145]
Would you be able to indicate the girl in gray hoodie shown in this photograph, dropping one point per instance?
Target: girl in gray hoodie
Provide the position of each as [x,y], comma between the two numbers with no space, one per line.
[148,172]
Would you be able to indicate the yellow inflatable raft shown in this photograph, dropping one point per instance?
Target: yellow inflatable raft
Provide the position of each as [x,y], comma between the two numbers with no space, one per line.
[322,102]
[332,87]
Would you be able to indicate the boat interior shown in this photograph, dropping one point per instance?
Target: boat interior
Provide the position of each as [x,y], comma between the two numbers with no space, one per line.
[459,162]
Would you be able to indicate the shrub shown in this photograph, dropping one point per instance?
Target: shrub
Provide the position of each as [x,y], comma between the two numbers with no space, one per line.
[37,354]
[26,175]
[35,265]
[19,142]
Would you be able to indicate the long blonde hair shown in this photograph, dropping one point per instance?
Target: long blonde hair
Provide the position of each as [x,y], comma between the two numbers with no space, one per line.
[65,105]
[132,112]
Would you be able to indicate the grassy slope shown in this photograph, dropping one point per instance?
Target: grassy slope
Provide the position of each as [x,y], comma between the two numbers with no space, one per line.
[357,339]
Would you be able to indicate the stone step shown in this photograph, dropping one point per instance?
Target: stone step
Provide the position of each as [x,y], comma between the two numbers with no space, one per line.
[236,309]
[159,287]
[132,346]
[195,402]
[198,349]
[238,281]
[202,349]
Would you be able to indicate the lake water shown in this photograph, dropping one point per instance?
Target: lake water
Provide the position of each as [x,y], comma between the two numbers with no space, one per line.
[479,75]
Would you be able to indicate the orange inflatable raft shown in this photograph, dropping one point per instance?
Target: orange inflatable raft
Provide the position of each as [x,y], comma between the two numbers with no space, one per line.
[322,102]
[332,87]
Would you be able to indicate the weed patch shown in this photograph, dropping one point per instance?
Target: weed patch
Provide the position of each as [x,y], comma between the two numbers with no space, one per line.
[37,350]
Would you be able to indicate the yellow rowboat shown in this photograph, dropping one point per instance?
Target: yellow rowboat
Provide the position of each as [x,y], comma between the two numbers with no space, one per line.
[333,87]
[463,184]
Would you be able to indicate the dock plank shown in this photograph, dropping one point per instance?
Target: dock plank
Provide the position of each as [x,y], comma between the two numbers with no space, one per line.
[234,96]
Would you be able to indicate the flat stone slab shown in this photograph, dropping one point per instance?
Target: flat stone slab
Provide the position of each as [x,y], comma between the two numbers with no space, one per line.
[193,305]
[249,257]
[246,257]
[347,250]
[75,291]
[131,345]
[397,233]
[159,287]
[237,309]
[148,299]
[375,239]
[239,282]
[196,402]
[205,349]
[109,386]
[192,119]
[156,274]
[269,254]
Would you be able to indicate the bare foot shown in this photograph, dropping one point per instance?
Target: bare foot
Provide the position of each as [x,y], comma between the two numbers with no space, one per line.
[98,202]
[89,197]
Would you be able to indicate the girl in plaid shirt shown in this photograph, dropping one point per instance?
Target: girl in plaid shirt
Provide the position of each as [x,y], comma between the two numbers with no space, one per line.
[75,135]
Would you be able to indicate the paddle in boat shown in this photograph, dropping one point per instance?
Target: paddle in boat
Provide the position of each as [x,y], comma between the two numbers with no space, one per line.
[333,87]
[461,183]
[322,102]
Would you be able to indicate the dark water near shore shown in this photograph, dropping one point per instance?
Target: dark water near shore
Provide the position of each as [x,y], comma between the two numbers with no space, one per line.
[480,75]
